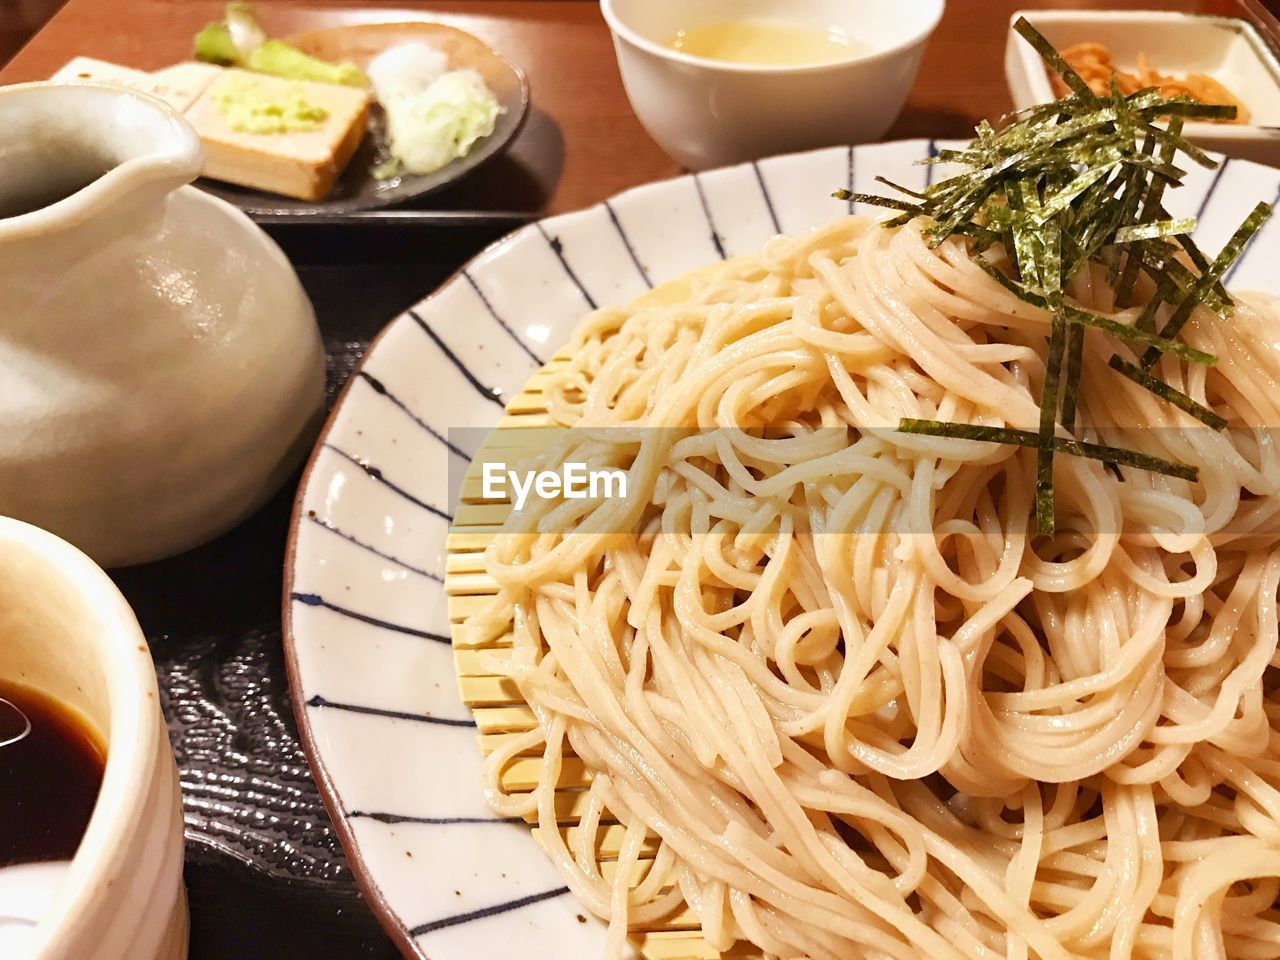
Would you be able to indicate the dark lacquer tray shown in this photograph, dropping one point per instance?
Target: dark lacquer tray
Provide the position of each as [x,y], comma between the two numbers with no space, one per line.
[266,876]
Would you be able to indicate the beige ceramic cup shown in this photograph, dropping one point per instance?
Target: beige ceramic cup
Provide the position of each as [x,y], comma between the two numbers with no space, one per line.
[66,631]
[707,113]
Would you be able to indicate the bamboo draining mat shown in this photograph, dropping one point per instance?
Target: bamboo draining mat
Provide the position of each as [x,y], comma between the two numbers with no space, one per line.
[499,710]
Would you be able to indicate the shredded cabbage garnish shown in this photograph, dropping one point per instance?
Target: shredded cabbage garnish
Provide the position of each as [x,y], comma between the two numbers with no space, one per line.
[430,128]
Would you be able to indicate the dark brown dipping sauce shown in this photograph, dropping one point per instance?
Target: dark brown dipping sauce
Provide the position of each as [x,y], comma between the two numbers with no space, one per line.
[49,777]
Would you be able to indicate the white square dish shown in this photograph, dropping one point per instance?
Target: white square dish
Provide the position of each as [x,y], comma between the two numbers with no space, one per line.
[1229,50]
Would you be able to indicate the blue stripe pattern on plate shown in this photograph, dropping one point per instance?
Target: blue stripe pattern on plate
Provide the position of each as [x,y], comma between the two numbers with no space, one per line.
[376,474]
[492,394]
[1213,186]
[315,600]
[398,818]
[487,911]
[558,249]
[849,181]
[380,388]
[716,241]
[626,242]
[519,341]
[336,531]
[768,200]
[1248,247]
[320,703]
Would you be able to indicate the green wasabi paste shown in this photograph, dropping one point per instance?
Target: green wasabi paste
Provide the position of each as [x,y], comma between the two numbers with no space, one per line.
[248,108]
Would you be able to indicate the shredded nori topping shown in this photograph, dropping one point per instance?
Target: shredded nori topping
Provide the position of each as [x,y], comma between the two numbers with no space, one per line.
[1063,185]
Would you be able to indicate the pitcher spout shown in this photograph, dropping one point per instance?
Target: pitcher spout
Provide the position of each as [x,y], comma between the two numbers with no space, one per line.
[80,162]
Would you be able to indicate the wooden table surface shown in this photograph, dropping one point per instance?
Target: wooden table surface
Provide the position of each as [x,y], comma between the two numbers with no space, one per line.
[582,142]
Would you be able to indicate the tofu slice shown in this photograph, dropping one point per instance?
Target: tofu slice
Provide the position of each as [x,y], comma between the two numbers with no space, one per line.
[178,86]
[89,70]
[303,163]
[181,85]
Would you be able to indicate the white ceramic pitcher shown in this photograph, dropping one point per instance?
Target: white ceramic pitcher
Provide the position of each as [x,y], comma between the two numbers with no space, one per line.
[161,372]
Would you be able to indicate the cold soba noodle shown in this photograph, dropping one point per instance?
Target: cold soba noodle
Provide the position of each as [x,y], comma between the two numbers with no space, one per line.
[834,677]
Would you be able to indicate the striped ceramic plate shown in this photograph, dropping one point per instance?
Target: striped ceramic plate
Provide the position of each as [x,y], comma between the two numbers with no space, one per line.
[366,625]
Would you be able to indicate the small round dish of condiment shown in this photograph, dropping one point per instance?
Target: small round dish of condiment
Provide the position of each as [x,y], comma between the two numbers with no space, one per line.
[91,847]
[369,179]
[1222,61]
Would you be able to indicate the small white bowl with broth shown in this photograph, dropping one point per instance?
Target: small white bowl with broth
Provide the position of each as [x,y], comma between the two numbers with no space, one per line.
[92,869]
[716,82]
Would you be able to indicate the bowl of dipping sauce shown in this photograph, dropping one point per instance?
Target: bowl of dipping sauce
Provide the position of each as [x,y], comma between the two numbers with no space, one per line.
[90,811]
[724,81]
